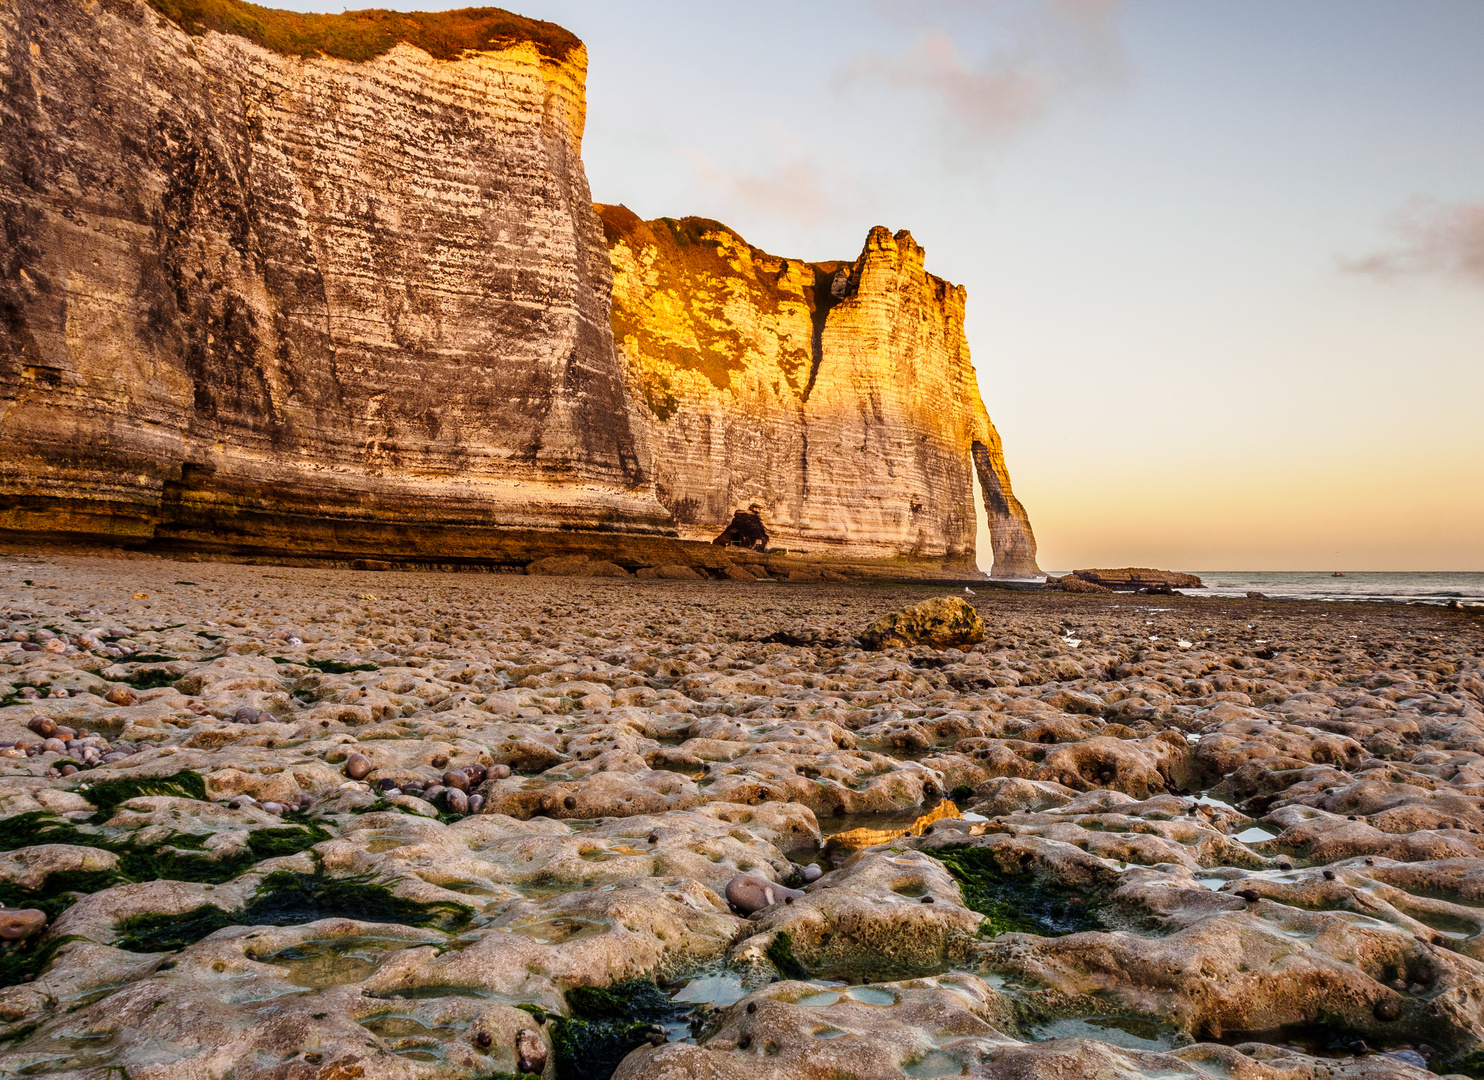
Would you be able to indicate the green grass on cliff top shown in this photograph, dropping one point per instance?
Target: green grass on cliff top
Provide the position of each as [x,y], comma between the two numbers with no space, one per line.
[364,35]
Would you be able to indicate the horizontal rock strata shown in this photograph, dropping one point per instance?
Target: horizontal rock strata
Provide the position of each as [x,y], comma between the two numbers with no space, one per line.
[240,286]
[1133,578]
[837,400]
[333,286]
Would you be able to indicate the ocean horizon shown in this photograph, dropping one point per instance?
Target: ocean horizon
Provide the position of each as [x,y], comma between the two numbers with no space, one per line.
[1413,587]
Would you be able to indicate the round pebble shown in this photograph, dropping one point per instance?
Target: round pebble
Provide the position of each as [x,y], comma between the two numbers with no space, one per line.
[17,924]
[456,779]
[749,893]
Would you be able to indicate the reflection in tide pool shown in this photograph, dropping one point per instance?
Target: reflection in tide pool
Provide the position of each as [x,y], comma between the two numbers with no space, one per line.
[720,990]
[1133,1032]
[1255,834]
[818,1000]
[935,1063]
[872,995]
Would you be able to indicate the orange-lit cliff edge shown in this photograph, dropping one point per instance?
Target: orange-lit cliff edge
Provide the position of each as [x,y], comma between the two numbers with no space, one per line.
[836,398]
[307,329]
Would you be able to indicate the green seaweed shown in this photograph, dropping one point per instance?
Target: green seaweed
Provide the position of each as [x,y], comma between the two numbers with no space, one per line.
[151,679]
[178,858]
[23,961]
[780,952]
[1013,903]
[166,933]
[329,667]
[635,998]
[106,795]
[1470,1064]
[605,1024]
[339,667]
[287,840]
[57,893]
[155,657]
[289,898]
[32,828]
[16,698]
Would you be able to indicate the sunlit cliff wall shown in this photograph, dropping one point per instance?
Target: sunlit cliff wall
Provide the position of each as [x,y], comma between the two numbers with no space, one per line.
[837,398]
[334,285]
[242,290]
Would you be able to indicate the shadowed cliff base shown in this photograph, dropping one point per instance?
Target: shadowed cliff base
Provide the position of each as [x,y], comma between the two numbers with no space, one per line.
[507,551]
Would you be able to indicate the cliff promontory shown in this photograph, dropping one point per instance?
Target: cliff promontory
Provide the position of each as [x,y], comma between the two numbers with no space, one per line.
[835,400]
[334,286]
[309,277]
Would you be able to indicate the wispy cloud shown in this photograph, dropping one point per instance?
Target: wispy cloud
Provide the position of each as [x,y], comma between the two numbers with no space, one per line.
[1432,237]
[788,184]
[1046,49]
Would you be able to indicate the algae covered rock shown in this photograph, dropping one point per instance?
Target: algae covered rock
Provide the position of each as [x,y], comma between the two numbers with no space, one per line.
[888,914]
[797,1030]
[943,622]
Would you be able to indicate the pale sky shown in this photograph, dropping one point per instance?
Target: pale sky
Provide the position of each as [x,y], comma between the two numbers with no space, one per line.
[1225,261]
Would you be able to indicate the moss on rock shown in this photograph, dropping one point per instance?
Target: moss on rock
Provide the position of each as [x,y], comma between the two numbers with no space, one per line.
[941,622]
[605,1024]
[1013,903]
[287,898]
[780,953]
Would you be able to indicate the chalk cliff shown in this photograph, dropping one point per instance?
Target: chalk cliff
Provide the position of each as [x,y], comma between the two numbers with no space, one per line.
[334,285]
[248,292]
[837,398]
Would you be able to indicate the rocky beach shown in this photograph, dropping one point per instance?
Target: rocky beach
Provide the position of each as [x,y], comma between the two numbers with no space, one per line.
[451,629]
[263,821]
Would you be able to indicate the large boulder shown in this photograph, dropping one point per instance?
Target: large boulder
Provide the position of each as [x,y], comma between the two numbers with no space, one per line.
[1073,583]
[943,622]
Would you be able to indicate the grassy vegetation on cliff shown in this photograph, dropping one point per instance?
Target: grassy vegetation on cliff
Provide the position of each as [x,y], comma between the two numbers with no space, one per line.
[364,35]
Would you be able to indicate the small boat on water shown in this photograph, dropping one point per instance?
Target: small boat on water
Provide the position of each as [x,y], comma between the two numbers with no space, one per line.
[1337,574]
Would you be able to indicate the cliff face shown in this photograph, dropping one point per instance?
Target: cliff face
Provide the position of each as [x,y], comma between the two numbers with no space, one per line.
[241,288]
[836,398]
[335,285]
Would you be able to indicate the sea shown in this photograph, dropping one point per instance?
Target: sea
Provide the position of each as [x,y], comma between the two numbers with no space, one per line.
[1465,588]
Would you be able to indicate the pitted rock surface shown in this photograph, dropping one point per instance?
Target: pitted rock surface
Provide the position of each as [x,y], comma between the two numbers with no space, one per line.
[1175,850]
